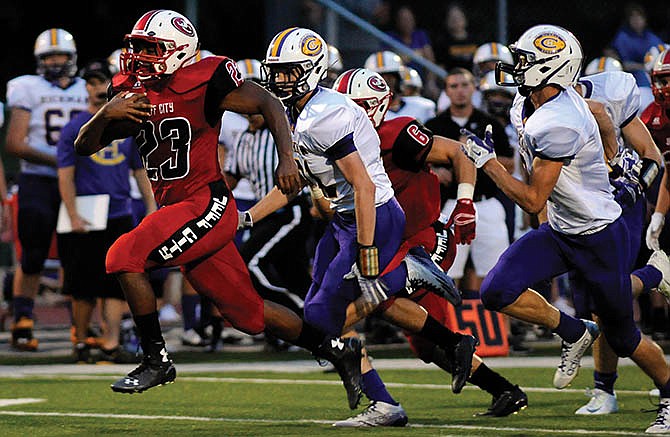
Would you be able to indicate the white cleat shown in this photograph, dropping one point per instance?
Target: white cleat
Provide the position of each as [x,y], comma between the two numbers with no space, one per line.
[660,260]
[601,403]
[662,423]
[376,414]
[571,355]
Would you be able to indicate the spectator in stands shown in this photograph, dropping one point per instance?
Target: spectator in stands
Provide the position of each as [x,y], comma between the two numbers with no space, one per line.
[453,44]
[631,42]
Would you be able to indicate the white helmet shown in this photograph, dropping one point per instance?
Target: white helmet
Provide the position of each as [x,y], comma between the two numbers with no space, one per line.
[295,63]
[170,34]
[409,77]
[603,63]
[56,42]
[543,55]
[202,54]
[250,69]
[652,54]
[384,62]
[368,89]
[335,63]
[488,52]
[114,61]
[489,83]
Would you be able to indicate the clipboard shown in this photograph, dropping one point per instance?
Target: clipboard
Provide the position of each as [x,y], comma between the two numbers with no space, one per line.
[94,208]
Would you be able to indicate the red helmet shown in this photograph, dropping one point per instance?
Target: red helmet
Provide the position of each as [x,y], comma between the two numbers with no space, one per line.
[660,79]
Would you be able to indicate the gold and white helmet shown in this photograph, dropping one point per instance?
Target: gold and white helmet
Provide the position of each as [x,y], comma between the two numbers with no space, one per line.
[489,52]
[368,89]
[544,55]
[384,61]
[170,35]
[601,64]
[295,62]
[250,69]
[652,54]
[56,42]
[410,80]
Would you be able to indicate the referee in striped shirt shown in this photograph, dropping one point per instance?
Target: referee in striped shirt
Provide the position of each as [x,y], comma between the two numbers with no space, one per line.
[276,250]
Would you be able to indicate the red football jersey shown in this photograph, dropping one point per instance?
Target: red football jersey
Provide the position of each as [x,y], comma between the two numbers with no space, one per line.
[657,121]
[178,143]
[405,144]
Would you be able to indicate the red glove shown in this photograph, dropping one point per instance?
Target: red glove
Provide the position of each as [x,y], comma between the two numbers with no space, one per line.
[463,219]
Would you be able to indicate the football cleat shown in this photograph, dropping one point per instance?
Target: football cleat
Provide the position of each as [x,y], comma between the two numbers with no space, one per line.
[82,354]
[423,273]
[508,402]
[117,355]
[155,369]
[376,414]
[601,402]
[191,337]
[462,363]
[22,335]
[345,355]
[660,260]
[571,355]
[662,423]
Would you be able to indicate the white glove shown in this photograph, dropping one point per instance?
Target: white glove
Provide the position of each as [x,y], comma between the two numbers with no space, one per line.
[373,290]
[480,151]
[654,230]
[244,220]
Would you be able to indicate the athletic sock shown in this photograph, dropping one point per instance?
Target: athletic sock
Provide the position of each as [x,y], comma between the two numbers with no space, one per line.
[23,307]
[489,380]
[569,328]
[605,381]
[650,276]
[439,334]
[374,388]
[664,389]
[149,330]
[310,338]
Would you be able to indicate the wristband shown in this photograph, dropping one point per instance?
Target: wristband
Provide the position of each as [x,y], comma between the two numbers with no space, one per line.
[465,191]
[648,172]
[368,261]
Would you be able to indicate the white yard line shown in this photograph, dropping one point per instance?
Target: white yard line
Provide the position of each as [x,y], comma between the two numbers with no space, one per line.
[313,421]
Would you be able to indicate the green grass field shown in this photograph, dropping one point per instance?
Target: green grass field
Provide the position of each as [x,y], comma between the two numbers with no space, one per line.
[305,404]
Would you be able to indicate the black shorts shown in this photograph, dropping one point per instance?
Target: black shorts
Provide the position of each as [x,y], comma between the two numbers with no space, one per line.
[83,256]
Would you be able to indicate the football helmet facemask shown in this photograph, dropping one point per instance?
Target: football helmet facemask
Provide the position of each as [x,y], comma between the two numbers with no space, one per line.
[543,55]
[295,62]
[368,89]
[55,42]
[161,42]
[660,79]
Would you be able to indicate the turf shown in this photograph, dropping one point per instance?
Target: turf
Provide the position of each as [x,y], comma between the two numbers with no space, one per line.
[264,403]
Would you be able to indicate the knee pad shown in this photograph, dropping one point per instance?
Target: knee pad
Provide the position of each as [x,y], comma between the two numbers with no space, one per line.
[623,339]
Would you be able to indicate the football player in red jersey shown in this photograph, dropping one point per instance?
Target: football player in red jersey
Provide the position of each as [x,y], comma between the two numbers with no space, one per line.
[657,119]
[197,219]
[407,147]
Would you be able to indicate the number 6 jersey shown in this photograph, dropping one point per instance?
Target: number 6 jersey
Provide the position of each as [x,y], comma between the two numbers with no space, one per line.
[178,143]
[328,128]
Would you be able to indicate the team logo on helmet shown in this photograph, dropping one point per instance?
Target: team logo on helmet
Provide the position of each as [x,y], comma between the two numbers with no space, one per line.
[549,43]
[376,83]
[311,45]
[183,26]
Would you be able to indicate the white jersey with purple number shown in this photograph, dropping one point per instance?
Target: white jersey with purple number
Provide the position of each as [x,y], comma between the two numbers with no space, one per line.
[329,127]
[619,93]
[564,129]
[418,107]
[51,108]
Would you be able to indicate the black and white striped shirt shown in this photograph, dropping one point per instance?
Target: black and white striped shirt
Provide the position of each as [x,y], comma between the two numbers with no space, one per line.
[253,156]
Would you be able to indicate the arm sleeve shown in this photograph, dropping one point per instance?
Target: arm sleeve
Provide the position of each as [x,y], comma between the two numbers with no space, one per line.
[226,78]
[411,147]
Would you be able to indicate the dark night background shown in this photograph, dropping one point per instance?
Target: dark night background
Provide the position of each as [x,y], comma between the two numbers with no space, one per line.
[241,29]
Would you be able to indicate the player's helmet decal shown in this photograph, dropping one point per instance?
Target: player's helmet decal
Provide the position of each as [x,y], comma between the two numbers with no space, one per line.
[549,43]
[183,26]
[311,46]
[377,84]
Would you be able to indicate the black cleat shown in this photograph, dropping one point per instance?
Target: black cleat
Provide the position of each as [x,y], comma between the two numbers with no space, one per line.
[155,369]
[345,355]
[423,273]
[463,353]
[509,402]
